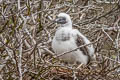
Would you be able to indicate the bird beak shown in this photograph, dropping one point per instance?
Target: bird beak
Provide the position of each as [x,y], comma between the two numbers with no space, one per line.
[60,20]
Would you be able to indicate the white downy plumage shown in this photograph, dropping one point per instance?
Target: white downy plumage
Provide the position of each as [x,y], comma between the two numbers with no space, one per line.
[67,39]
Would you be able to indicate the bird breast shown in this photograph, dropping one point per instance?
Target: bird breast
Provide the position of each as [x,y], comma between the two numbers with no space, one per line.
[63,41]
[63,35]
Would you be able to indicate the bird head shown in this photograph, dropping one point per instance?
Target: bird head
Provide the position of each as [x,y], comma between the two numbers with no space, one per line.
[63,19]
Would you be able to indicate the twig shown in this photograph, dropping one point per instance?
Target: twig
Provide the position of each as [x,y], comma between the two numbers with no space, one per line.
[107,35]
[20,49]
[20,56]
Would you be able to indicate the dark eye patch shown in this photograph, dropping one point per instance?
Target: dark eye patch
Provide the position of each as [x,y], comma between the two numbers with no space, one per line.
[61,20]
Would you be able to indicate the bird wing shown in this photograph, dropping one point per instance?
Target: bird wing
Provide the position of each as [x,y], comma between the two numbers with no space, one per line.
[80,41]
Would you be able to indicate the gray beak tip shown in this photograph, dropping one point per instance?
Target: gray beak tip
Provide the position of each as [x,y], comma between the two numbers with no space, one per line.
[54,21]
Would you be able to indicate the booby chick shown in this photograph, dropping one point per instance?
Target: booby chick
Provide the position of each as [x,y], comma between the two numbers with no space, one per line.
[66,38]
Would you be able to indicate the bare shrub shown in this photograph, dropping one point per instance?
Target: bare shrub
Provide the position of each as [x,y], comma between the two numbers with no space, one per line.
[27,29]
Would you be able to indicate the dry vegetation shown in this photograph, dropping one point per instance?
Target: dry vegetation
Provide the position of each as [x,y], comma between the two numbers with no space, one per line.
[26,32]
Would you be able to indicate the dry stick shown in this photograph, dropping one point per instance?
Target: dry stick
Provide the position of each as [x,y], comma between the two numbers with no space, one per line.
[28,33]
[117,44]
[110,59]
[20,55]
[97,18]
[8,50]
[117,38]
[50,52]
[20,35]
[112,28]
[14,53]
[107,35]
[49,10]
[112,69]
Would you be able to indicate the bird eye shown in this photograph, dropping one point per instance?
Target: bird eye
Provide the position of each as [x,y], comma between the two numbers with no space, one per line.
[56,16]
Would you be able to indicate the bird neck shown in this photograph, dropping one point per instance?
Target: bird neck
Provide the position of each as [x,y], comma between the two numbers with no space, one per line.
[69,25]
